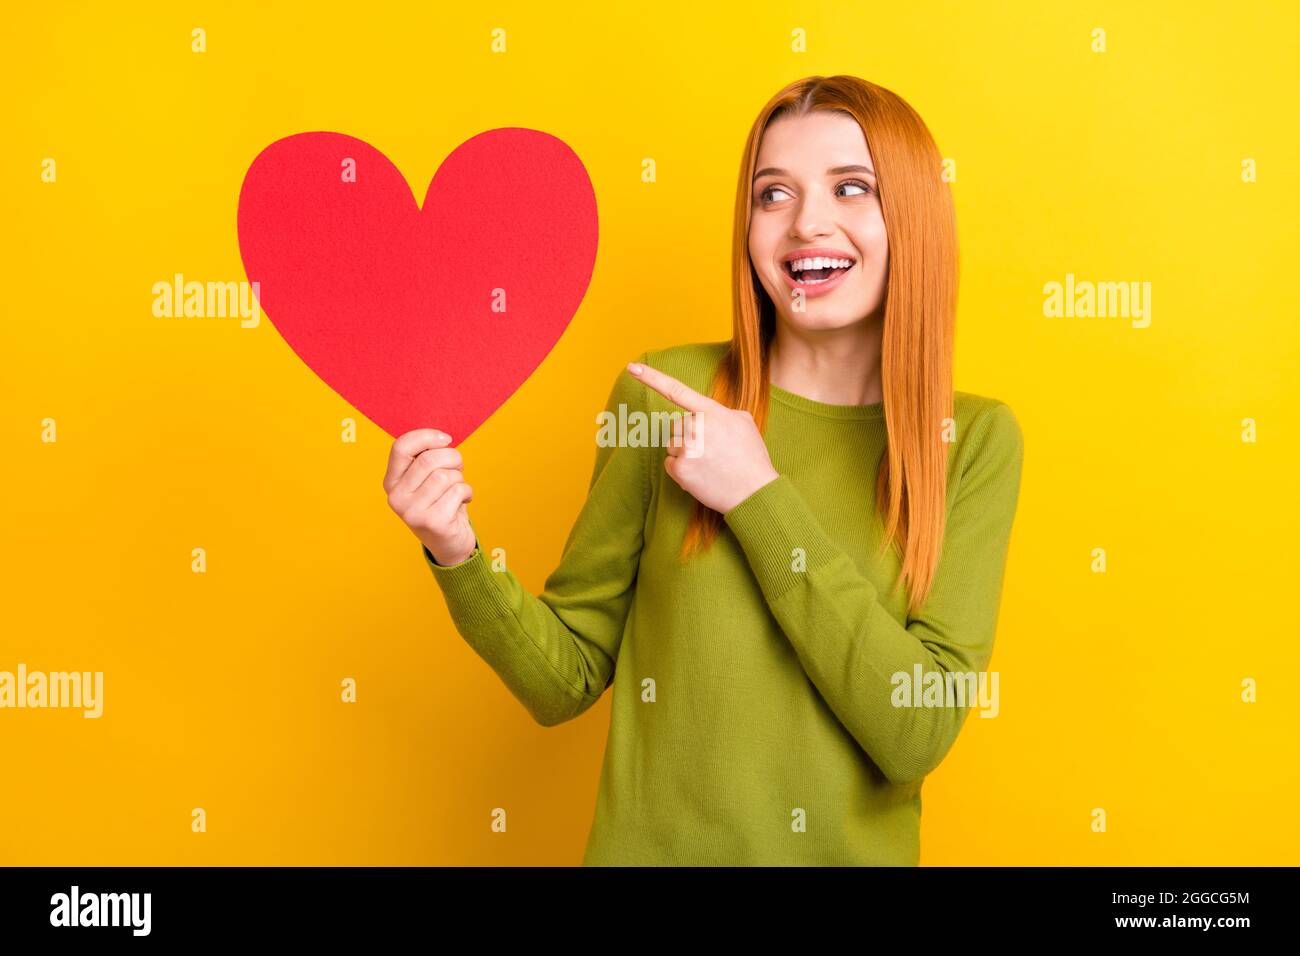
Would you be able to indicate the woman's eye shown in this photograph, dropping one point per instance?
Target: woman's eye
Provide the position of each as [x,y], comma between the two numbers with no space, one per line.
[857,185]
[770,189]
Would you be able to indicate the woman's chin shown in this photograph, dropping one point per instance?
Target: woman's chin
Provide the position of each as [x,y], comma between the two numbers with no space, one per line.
[827,318]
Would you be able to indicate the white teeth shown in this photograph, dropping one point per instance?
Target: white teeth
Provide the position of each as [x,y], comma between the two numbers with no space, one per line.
[819,262]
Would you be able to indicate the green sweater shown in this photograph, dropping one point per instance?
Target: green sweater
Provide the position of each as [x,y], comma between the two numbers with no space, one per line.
[753,718]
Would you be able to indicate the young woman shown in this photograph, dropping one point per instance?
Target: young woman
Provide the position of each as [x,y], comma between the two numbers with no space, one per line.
[822,540]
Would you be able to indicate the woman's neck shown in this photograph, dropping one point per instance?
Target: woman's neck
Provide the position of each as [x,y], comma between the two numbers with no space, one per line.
[835,366]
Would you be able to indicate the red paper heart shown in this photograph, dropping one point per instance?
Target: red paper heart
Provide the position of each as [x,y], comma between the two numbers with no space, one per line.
[392,304]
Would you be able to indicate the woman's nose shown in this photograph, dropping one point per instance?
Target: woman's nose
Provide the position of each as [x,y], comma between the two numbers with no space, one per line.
[811,219]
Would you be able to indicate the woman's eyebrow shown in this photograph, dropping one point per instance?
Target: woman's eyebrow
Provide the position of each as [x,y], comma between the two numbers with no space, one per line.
[833,171]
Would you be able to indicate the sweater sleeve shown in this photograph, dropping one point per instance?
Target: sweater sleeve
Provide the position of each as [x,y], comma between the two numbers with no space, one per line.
[849,644]
[556,651]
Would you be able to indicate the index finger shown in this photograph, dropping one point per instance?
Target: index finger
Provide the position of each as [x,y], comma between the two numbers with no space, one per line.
[679,393]
[407,447]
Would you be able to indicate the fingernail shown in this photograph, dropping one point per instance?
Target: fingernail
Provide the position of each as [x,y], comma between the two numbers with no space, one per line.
[634,368]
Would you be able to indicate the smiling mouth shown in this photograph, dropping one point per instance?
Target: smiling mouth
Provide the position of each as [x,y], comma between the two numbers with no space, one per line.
[814,276]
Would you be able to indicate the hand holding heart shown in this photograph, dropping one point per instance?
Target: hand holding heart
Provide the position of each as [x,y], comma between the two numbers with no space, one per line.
[717,454]
[426,488]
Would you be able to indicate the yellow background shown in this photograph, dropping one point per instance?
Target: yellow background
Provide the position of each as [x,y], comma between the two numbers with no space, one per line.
[1118,690]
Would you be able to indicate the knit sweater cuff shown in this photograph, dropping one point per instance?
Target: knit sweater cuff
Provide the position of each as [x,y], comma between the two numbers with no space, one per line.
[470,587]
[780,536]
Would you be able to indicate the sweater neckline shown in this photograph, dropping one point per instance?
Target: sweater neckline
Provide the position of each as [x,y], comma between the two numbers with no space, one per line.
[859,413]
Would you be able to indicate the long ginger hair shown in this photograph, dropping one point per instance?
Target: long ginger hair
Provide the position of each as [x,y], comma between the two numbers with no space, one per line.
[919,317]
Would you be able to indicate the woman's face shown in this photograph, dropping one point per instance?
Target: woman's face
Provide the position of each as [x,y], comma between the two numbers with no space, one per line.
[815,190]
